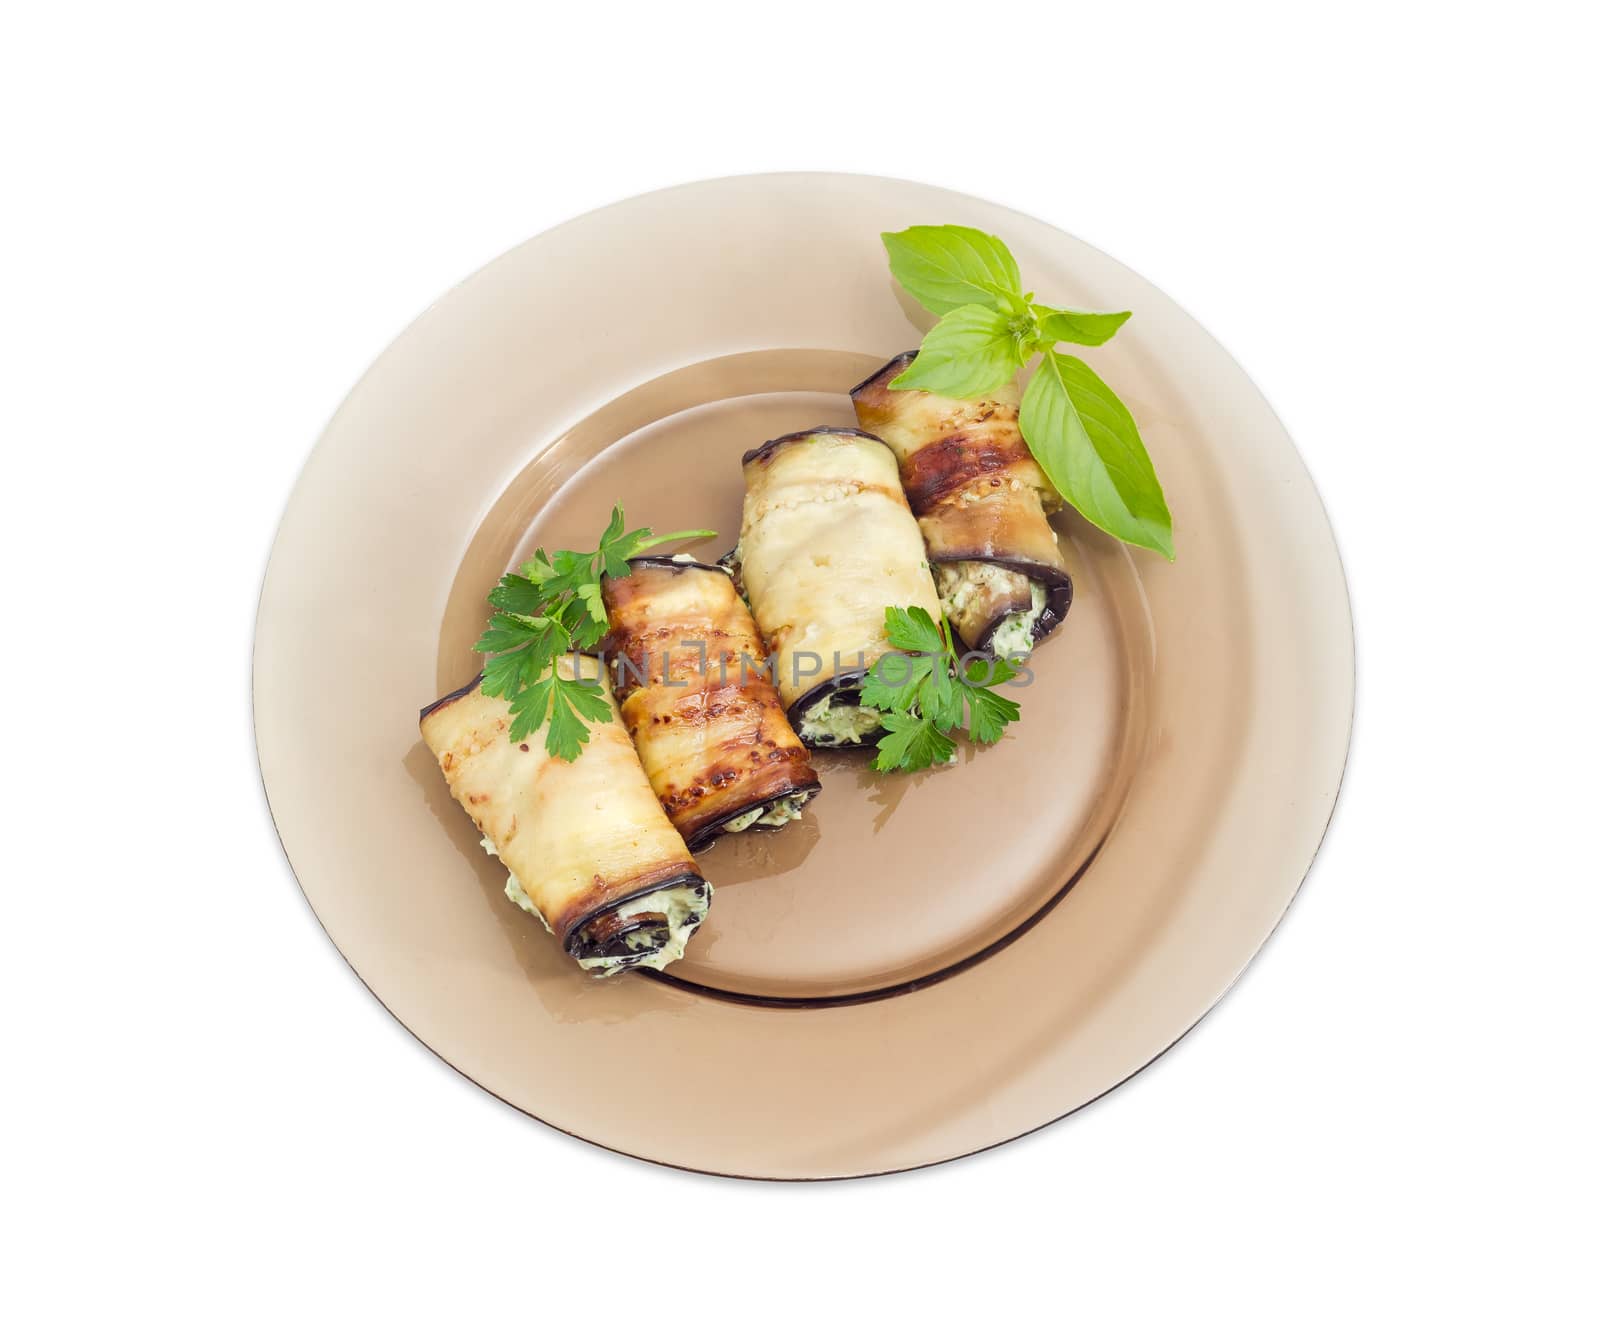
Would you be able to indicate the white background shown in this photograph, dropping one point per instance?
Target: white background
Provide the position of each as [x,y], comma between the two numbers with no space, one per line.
[217,216]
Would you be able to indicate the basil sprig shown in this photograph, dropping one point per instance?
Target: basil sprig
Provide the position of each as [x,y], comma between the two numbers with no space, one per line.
[1078,430]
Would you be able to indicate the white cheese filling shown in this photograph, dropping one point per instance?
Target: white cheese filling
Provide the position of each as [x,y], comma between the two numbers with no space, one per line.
[832,723]
[780,812]
[682,905]
[960,582]
[1014,636]
[514,891]
[733,565]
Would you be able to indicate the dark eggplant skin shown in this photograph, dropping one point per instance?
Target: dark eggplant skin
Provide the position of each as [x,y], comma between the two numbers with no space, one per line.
[884,374]
[729,563]
[978,494]
[709,728]
[767,448]
[661,560]
[717,825]
[601,933]
[1057,600]
[449,697]
[583,924]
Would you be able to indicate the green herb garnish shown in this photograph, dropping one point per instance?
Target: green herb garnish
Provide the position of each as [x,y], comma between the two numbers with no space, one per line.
[925,693]
[1079,432]
[551,606]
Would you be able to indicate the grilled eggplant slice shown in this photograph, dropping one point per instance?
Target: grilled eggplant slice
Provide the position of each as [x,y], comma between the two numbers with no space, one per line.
[590,851]
[827,544]
[982,503]
[703,714]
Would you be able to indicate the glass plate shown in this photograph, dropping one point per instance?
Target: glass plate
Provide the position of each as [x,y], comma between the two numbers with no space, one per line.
[925,965]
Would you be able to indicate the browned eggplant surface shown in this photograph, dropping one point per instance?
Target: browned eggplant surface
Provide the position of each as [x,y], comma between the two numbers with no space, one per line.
[710,730]
[982,504]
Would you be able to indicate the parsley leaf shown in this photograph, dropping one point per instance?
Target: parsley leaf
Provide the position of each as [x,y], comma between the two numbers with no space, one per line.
[553,605]
[573,701]
[589,593]
[941,699]
[911,742]
[537,569]
[989,711]
[895,680]
[614,527]
[926,693]
[503,673]
[913,630]
[529,708]
[504,633]
[517,594]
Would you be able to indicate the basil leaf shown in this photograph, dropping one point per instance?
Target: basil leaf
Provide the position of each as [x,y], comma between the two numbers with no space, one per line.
[945,267]
[1085,440]
[1082,329]
[970,351]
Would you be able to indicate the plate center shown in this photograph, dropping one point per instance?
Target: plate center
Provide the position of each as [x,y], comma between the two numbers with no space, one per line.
[889,878]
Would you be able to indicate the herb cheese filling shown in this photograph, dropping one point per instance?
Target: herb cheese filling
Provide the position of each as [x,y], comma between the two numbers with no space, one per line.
[776,813]
[834,723]
[683,906]
[960,582]
[1014,636]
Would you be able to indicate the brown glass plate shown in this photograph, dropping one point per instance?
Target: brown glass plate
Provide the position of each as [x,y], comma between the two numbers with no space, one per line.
[925,965]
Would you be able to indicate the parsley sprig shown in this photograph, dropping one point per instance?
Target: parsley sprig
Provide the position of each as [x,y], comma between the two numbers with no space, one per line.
[926,693]
[547,608]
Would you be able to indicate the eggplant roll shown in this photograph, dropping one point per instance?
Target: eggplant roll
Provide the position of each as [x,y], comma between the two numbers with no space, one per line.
[827,544]
[982,503]
[590,852]
[704,716]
